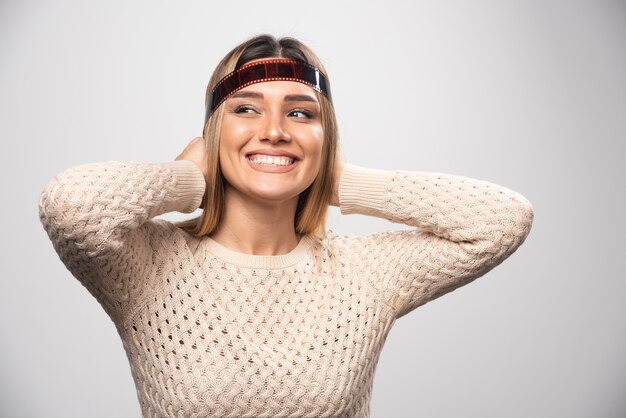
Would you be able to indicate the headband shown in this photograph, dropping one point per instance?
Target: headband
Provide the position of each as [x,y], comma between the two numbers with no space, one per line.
[267,70]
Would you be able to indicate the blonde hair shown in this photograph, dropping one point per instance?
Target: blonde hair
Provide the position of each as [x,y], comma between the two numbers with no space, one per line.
[313,202]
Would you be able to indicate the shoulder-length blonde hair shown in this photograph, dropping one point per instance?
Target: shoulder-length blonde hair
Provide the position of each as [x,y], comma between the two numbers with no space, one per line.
[313,202]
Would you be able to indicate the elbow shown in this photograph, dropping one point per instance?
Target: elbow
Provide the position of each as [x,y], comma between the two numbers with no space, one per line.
[50,210]
[515,225]
[53,210]
[65,212]
[61,201]
[504,233]
[523,218]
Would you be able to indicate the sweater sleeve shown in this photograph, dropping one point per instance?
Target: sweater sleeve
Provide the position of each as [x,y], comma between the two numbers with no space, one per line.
[462,229]
[98,219]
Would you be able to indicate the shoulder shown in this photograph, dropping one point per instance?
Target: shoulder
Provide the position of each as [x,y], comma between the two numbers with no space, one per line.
[362,247]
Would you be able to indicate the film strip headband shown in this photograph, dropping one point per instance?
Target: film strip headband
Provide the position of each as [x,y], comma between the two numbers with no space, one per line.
[267,70]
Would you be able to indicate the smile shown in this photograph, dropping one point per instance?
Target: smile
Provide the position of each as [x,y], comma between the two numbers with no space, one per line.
[270,160]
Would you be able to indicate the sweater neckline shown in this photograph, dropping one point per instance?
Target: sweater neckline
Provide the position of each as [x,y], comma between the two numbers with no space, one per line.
[259,261]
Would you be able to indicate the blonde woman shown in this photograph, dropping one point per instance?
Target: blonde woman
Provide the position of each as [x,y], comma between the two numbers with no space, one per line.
[254,309]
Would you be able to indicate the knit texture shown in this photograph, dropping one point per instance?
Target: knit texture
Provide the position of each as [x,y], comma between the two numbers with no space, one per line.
[210,332]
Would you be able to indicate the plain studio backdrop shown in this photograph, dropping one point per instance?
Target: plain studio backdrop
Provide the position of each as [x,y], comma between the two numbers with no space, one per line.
[530,95]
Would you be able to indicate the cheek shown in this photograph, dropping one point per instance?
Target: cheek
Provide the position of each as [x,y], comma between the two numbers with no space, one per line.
[230,134]
[232,138]
[314,150]
[317,144]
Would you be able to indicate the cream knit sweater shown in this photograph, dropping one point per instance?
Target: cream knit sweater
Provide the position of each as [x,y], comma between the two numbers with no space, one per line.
[214,333]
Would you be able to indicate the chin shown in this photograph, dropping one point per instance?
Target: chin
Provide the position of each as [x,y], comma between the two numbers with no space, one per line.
[275,196]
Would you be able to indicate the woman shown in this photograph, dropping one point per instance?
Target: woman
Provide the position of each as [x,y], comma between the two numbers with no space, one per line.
[253,309]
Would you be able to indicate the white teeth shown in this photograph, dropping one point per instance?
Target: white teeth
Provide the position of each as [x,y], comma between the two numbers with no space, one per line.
[269,160]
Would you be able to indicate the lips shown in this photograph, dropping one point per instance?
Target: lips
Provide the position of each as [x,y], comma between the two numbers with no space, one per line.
[278,160]
[271,158]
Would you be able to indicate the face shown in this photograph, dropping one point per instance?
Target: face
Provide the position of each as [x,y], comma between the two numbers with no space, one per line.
[271,140]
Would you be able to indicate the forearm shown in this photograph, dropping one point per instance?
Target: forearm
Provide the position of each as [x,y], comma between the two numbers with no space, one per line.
[98,203]
[457,208]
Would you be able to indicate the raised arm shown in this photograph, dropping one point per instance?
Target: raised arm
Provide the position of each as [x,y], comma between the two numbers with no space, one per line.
[464,228]
[97,217]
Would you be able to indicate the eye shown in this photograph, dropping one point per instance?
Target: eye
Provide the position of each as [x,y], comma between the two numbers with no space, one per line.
[244,109]
[301,113]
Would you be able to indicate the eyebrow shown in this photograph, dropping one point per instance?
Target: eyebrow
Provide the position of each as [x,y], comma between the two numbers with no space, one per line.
[247,95]
[299,98]
[288,98]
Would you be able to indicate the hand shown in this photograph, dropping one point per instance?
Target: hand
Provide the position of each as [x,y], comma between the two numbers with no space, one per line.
[340,162]
[196,152]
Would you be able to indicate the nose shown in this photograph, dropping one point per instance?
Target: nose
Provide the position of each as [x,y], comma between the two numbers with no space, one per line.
[274,129]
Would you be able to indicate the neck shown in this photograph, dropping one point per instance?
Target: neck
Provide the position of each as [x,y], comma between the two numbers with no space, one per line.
[257,227]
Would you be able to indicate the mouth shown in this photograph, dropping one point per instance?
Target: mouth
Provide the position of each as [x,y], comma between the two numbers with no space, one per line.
[270,160]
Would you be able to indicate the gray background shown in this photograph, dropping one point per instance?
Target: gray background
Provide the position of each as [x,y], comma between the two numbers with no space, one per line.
[530,95]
